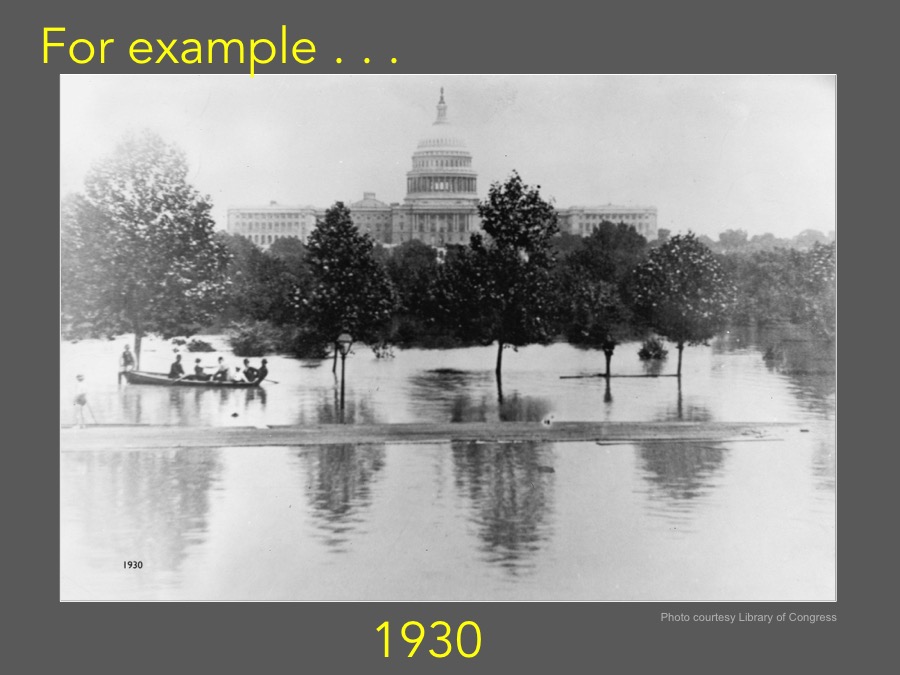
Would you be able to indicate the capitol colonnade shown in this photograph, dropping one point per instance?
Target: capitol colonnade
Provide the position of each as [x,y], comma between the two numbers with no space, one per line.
[440,184]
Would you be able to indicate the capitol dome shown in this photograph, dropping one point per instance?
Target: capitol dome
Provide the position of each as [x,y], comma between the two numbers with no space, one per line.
[441,164]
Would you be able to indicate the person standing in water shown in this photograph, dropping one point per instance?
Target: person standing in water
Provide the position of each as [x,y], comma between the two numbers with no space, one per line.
[126,362]
[80,400]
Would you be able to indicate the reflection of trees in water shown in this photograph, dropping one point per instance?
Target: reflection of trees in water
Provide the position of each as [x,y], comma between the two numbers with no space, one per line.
[340,480]
[454,395]
[356,410]
[792,351]
[518,408]
[146,505]
[463,408]
[510,487]
[810,367]
[681,411]
[739,339]
[465,396]
[679,472]
[825,463]
[185,406]
[132,405]
[654,367]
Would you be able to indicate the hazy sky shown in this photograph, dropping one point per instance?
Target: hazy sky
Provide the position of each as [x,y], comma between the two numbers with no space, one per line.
[711,152]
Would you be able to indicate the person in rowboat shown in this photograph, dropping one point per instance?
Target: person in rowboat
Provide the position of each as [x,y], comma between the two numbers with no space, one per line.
[198,372]
[223,374]
[176,370]
[262,373]
[250,373]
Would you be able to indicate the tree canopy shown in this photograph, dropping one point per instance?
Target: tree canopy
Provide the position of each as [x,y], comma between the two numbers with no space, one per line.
[261,285]
[592,286]
[350,290]
[138,252]
[499,288]
[682,293]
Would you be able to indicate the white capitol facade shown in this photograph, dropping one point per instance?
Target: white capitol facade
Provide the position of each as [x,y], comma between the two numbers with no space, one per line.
[440,207]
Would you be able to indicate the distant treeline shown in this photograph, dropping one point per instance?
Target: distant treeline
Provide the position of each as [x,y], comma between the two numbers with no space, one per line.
[738,241]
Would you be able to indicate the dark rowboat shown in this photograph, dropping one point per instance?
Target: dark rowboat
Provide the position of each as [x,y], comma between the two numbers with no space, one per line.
[141,377]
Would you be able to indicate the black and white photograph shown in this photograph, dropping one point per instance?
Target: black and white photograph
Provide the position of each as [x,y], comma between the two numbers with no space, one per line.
[447,338]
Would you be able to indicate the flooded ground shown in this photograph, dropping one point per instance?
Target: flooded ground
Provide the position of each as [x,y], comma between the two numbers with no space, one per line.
[734,520]
[766,377]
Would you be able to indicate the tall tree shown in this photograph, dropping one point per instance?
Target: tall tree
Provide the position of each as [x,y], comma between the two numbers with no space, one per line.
[592,287]
[681,292]
[138,253]
[499,288]
[351,291]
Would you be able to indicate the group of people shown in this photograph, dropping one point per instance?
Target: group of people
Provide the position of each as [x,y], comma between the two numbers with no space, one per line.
[176,371]
[223,372]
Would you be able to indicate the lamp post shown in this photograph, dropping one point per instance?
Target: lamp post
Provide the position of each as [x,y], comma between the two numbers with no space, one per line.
[344,341]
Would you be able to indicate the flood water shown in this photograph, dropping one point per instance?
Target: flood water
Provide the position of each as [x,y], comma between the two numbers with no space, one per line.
[746,520]
[728,381]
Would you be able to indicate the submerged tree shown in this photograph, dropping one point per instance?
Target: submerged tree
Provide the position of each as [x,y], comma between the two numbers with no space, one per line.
[499,288]
[351,291]
[814,289]
[681,292]
[596,316]
[138,253]
[592,287]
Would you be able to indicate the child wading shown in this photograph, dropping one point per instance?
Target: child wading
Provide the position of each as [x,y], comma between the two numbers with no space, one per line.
[80,401]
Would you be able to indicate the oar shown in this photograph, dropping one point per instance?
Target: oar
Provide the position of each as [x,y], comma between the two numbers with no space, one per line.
[179,379]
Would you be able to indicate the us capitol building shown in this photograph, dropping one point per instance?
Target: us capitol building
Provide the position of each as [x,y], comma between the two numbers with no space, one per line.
[440,207]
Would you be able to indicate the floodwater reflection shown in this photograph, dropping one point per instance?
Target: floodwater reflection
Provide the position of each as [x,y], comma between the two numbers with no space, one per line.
[760,376]
[809,365]
[691,411]
[680,476]
[450,394]
[682,471]
[654,367]
[146,506]
[355,410]
[519,408]
[453,521]
[825,463]
[339,480]
[510,488]
[463,396]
